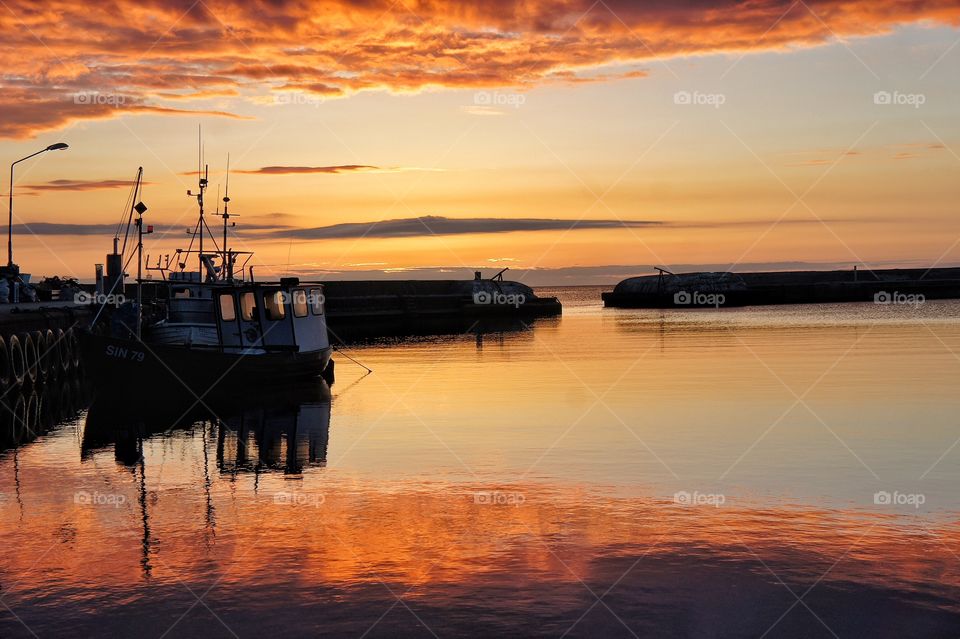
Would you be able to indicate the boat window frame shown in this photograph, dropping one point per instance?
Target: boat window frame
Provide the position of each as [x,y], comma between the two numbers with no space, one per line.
[233,307]
[298,303]
[274,300]
[251,315]
[316,301]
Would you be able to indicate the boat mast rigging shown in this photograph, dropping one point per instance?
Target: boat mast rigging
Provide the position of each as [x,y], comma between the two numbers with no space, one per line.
[228,256]
[209,272]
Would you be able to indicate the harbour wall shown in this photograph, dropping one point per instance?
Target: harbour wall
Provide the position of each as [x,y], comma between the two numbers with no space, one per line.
[791,287]
[367,309]
[38,343]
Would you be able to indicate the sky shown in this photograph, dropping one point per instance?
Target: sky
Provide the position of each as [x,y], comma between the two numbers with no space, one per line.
[573,142]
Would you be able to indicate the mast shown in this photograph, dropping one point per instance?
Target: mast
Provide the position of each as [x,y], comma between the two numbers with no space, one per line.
[200,227]
[139,275]
[140,208]
[209,273]
[203,172]
[201,185]
[227,260]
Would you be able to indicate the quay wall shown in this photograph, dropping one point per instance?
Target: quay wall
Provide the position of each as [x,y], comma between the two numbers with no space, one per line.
[792,287]
[38,343]
[362,309]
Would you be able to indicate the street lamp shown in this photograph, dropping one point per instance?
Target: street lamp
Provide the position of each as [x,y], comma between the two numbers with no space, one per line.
[59,146]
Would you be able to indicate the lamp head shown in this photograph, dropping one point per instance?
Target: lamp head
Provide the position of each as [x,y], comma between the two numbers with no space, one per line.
[59,146]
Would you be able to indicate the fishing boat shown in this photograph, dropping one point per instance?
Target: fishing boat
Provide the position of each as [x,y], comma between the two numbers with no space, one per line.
[206,326]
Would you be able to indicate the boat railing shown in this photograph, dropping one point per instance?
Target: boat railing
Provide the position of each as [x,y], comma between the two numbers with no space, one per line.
[270,348]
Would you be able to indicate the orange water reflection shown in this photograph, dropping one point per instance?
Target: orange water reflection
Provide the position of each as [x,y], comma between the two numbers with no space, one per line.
[470,488]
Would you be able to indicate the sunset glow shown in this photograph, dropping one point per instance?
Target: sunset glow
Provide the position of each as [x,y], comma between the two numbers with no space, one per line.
[762,135]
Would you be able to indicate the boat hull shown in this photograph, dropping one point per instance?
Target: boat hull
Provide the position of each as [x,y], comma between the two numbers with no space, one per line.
[126,361]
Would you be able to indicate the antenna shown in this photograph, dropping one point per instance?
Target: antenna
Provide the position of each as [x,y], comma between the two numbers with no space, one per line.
[227,257]
[203,175]
[226,187]
[203,187]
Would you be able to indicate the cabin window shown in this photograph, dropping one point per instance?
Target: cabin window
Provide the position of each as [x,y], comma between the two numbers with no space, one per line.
[228,309]
[316,300]
[299,303]
[181,293]
[248,306]
[273,303]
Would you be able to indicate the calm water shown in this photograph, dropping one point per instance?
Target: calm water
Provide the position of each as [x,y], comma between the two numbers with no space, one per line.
[608,473]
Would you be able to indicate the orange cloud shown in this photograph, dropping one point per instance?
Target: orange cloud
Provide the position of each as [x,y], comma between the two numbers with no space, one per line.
[27,112]
[155,50]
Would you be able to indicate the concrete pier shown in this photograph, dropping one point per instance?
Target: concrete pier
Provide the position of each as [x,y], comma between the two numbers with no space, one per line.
[685,290]
[363,309]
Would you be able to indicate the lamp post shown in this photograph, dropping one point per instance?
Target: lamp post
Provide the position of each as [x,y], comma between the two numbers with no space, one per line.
[59,146]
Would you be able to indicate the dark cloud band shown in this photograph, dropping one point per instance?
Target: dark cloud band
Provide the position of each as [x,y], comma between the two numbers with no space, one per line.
[438,225]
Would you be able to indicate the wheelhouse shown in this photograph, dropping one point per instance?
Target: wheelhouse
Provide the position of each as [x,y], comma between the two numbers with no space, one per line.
[288,316]
[188,300]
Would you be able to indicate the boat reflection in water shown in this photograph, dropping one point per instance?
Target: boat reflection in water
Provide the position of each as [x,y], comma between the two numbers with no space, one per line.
[282,429]
[275,429]
[25,415]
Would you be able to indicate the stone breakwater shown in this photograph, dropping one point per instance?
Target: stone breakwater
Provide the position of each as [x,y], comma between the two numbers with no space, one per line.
[721,289]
